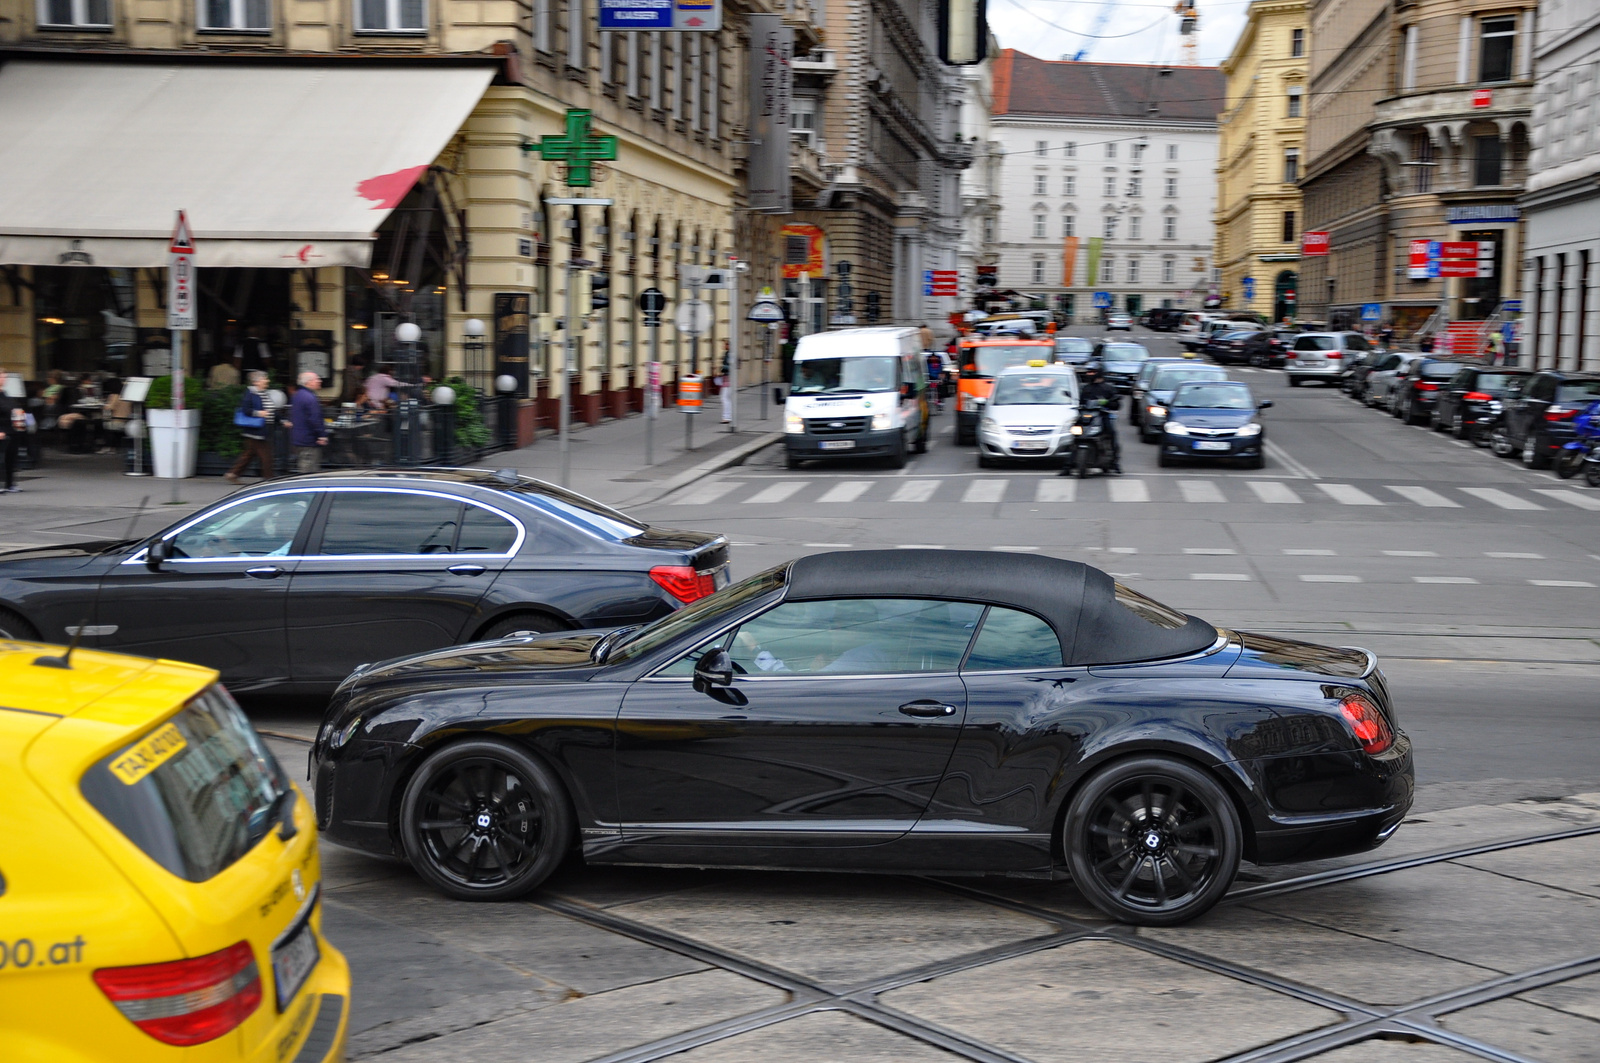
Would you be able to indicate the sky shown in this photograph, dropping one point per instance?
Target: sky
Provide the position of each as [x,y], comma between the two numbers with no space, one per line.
[1136,31]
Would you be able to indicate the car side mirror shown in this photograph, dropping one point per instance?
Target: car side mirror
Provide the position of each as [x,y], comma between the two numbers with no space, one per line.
[1263,404]
[158,552]
[715,669]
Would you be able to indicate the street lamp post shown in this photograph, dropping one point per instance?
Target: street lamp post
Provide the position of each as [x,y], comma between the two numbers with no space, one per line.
[505,384]
[407,334]
[473,348]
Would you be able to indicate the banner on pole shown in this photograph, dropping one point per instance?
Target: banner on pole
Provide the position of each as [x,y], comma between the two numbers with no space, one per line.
[770,90]
[1069,260]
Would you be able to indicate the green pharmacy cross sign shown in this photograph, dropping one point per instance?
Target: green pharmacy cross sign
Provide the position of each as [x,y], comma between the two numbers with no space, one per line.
[578,148]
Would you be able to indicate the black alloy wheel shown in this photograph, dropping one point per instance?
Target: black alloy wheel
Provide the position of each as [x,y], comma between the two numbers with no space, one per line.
[1591,473]
[1500,441]
[1569,463]
[1152,841]
[481,820]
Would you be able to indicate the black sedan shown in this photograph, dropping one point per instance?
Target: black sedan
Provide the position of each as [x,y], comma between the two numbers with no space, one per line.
[292,583]
[1538,420]
[1471,402]
[1228,347]
[1416,394]
[1213,419]
[894,711]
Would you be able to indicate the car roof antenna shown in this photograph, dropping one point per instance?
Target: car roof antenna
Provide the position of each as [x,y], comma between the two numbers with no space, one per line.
[65,660]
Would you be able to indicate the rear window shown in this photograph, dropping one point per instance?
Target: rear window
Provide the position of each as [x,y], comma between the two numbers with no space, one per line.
[1316,343]
[195,794]
[1578,391]
[1496,381]
[1438,370]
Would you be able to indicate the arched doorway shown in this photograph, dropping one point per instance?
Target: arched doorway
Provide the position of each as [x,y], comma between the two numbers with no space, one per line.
[1285,294]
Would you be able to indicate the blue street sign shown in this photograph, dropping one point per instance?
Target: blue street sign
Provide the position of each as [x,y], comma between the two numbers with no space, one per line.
[1511,306]
[927,282]
[1249,286]
[1372,311]
[1434,253]
[1102,300]
[636,14]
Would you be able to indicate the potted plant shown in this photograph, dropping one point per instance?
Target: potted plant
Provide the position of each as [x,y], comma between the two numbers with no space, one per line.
[174,434]
[220,441]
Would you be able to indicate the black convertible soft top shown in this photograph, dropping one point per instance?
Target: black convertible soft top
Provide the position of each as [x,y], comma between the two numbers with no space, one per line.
[1078,601]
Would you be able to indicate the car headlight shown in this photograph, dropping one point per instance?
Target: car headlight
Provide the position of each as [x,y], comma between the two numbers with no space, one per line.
[1156,411]
[882,421]
[1251,429]
[794,424]
[1076,429]
[1177,428]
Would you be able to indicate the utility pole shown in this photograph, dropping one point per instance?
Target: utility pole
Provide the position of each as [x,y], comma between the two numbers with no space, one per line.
[569,351]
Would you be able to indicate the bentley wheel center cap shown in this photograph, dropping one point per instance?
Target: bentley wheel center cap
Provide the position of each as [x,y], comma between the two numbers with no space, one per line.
[1152,840]
[483,820]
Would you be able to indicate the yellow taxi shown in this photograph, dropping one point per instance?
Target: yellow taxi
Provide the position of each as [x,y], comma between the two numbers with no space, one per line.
[159,875]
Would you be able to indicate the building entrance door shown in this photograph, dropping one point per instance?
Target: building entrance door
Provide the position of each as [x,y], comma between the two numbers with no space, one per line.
[1284,295]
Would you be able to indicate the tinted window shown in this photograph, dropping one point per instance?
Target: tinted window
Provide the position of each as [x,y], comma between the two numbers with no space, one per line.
[1356,343]
[1543,387]
[1013,639]
[1492,381]
[388,522]
[195,794]
[1391,362]
[483,532]
[1437,370]
[1315,343]
[261,527]
[1578,391]
[856,636]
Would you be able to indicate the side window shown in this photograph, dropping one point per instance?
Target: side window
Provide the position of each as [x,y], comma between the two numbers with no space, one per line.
[856,636]
[483,532]
[1462,379]
[389,522]
[262,527]
[1543,388]
[1013,639]
[1356,343]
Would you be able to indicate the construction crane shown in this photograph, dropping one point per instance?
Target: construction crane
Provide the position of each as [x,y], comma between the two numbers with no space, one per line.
[1189,28]
[1100,21]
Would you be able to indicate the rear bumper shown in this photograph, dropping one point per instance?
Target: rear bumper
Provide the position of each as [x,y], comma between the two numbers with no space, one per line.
[1326,372]
[1380,790]
[864,445]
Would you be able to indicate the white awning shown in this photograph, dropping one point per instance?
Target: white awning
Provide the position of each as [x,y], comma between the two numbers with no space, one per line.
[276,165]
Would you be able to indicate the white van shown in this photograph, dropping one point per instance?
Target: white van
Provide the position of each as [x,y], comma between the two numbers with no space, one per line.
[857,393]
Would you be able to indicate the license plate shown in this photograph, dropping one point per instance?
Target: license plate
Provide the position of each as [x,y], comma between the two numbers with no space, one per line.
[1037,445]
[1212,444]
[293,960]
[838,444]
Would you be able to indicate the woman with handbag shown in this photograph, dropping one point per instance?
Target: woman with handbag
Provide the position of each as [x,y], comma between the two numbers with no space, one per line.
[254,418]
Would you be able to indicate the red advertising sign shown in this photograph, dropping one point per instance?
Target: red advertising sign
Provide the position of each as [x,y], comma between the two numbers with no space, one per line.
[1482,98]
[1313,243]
[1459,249]
[946,282]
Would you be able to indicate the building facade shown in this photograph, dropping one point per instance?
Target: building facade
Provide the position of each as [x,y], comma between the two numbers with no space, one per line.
[1107,183]
[1261,138]
[980,183]
[1417,132]
[1561,209]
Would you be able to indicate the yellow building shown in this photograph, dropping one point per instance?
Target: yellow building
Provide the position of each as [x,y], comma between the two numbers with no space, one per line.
[1259,159]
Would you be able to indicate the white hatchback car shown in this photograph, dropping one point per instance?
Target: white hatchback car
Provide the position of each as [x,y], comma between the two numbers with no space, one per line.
[1029,414]
[1324,356]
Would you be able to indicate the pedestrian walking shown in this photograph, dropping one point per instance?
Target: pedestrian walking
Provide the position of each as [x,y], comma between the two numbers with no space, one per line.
[254,418]
[308,432]
[13,428]
[721,380]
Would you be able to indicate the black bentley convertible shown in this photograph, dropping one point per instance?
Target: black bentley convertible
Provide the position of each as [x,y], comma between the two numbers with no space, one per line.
[932,711]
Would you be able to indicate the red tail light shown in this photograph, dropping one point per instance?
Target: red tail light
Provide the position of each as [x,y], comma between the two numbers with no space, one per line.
[1477,396]
[186,1002]
[1370,728]
[1334,355]
[1423,385]
[1556,413]
[683,582]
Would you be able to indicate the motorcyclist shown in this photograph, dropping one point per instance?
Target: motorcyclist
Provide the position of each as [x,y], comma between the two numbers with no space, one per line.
[1096,393]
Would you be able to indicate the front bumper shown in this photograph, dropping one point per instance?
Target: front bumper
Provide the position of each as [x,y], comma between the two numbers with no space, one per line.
[1185,446]
[862,445]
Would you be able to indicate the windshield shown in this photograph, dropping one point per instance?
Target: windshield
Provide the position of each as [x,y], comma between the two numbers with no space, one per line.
[1578,391]
[991,358]
[1033,389]
[820,376]
[670,627]
[1167,379]
[1123,352]
[1073,345]
[1213,397]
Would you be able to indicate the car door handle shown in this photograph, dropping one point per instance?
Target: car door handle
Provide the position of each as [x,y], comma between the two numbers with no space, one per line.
[466,570]
[264,572]
[931,709]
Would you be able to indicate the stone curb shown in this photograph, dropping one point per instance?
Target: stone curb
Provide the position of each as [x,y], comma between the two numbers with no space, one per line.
[726,459]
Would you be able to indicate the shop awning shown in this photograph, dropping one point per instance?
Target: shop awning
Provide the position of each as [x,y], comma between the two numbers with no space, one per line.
[276,165]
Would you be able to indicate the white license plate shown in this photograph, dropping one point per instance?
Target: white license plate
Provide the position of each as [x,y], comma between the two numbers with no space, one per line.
[1209,444]
[292,962]
[838,444]
[1033,445]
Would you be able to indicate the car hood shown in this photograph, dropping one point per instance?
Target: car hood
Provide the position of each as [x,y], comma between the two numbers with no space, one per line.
[1203,418]
[521,655]
[66,557]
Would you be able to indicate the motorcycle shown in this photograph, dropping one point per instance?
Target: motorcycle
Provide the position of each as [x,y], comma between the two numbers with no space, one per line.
[1584,445]
[1092,445]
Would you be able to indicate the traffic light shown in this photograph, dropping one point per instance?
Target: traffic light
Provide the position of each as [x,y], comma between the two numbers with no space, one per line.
[599,291]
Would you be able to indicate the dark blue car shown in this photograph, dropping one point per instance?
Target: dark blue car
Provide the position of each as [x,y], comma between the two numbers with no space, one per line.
[1213,419]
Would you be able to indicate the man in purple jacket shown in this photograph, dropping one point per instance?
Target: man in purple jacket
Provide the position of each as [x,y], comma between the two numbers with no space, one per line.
[307,432]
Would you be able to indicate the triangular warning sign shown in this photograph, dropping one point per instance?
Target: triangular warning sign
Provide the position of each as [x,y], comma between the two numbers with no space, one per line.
[182,238]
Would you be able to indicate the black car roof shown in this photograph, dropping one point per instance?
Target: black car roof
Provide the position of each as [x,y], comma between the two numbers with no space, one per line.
[1077,600]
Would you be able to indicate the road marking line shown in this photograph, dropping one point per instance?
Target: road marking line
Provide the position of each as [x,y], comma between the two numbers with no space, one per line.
[1422,496]
[1122,549]
[1015,549]
[775,493]
[1443,579]
[1349,495]
[1330,579]
[1056,489]
[1310,553]
[985,491]
[1272,491]
[920,546]
[848,491]
[1232,577]
[1410,553]
[1129,491]
[1200,491]
[1282,457]
[1560,583]
[915,491]
[1504,500]
[1217,550]
[1570,497]
[1511,555]
[706,493]
[1463,443]
[829,546]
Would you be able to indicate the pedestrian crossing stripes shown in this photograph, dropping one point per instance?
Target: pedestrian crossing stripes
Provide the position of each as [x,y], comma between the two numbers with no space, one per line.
[1054,491]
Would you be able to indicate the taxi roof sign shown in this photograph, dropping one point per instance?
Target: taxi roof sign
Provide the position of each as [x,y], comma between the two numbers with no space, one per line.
[182,238]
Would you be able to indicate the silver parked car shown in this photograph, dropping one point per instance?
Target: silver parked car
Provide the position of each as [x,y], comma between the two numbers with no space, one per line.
[1323,356]
[1383,383]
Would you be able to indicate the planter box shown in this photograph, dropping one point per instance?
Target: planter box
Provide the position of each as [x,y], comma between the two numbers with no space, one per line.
[174,442]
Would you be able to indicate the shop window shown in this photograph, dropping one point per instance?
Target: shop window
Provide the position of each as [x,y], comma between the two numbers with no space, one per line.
[75,13]
[1496,49]
[246,16]
[391,16]
[1486,160]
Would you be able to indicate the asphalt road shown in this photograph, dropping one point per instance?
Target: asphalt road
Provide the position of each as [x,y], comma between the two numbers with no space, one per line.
[1473,578]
